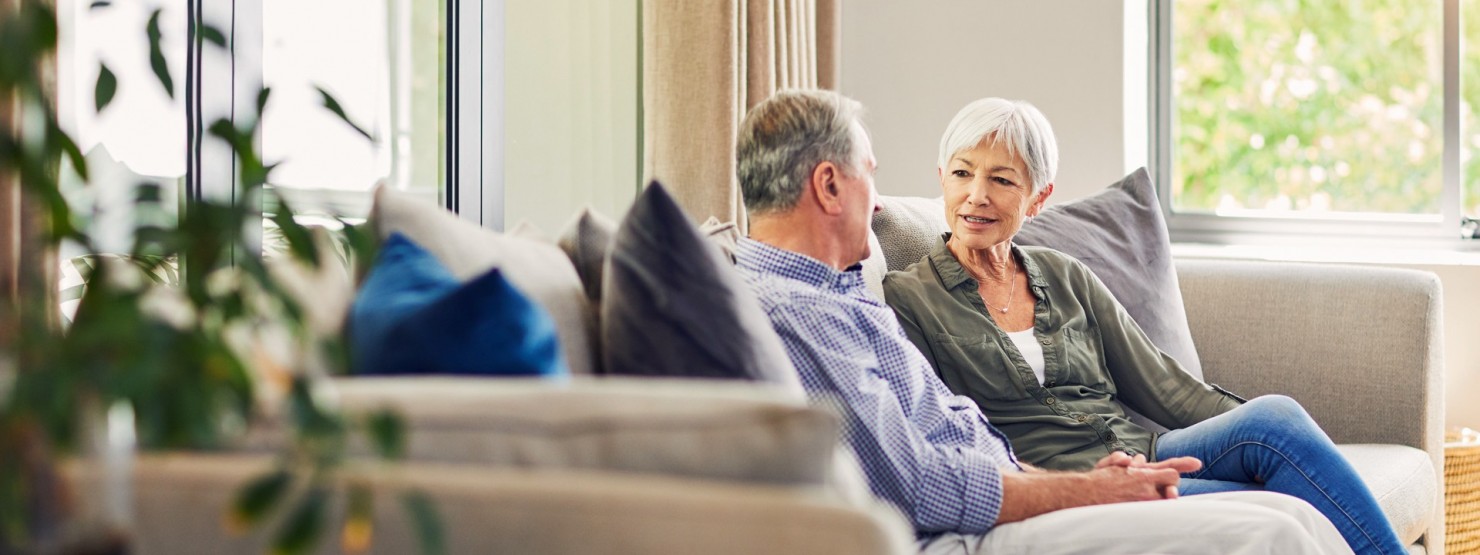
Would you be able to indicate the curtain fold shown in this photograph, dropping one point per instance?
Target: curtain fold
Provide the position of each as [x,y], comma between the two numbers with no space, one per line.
[704,65]
[28,265]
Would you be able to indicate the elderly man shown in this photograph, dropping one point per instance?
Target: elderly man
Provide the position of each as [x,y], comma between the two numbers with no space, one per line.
[806,169]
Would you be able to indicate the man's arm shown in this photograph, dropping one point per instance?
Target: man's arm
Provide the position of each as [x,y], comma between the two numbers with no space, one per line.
[1029,494]
[941,488]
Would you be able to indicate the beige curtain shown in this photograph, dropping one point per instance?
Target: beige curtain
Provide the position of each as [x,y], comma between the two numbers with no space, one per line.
[704,65]
[27,266]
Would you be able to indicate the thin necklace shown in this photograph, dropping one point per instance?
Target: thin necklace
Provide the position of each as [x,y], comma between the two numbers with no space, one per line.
[1011,288]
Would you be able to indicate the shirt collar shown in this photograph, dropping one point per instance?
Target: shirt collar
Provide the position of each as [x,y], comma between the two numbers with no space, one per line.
[755,256]
[952,275]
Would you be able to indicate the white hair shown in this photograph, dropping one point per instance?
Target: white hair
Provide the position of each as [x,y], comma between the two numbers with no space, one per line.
[1018,124]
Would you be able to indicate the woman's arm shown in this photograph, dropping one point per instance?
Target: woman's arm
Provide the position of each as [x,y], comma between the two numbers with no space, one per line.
[1147,379]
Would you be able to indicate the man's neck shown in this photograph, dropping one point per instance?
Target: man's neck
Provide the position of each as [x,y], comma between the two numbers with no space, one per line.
[800,235]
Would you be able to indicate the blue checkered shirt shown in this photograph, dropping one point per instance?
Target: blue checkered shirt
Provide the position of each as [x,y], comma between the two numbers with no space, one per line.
[929,452]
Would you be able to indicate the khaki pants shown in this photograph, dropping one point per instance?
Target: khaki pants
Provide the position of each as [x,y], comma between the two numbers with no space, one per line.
[1238,523]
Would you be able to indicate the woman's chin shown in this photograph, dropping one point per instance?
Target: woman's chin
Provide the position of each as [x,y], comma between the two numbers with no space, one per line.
[975,239]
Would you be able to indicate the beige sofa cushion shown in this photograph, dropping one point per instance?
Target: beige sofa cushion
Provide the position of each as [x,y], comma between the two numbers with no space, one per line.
[181,500]
[1403,481]
[699,428]
[539,269]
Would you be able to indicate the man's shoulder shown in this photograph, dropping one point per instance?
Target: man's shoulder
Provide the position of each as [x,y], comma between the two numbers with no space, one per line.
[780,294]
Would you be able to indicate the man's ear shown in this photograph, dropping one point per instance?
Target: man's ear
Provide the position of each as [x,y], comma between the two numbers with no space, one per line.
[824,185]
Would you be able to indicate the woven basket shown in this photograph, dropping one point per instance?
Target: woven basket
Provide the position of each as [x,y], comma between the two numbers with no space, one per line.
[1462,498]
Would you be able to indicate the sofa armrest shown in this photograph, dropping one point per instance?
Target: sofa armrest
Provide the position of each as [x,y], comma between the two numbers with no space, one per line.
[1360,347]
[181,500]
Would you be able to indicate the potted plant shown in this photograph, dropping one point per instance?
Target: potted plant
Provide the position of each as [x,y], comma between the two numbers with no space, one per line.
[160,357]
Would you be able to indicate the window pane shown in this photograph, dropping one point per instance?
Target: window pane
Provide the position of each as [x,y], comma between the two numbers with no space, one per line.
[1307,107]
[1470,92]
[383,61]
[140,136]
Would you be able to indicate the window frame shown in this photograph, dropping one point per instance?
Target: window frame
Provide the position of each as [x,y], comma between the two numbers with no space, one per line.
[1442,231]
[475,111]
[224,84]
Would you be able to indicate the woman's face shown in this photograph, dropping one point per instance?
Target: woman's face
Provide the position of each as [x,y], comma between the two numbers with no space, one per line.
[988,195]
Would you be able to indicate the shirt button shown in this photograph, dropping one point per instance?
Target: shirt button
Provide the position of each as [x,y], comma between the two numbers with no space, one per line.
[1050,400]
[1045,341]
[1081,418]
[1049,383]
[1110,437]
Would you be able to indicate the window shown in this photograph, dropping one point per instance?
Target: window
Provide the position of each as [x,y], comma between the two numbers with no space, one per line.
[1318,118]
[383,62]
[481,106]
[140,137]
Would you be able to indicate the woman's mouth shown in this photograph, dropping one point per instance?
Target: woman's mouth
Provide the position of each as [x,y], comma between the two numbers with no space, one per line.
[977,221]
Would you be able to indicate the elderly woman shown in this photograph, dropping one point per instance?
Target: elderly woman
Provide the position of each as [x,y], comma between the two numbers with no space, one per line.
[1048,354]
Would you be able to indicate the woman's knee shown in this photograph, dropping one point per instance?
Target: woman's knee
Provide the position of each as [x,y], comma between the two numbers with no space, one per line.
[1276,408]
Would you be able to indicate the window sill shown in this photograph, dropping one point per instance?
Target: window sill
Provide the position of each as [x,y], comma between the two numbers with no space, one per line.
[1332,254]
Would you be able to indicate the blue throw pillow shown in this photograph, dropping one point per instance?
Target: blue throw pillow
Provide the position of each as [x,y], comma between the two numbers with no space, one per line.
[413,317]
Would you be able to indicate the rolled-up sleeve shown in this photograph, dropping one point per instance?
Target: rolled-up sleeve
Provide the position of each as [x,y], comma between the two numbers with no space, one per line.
[918,453]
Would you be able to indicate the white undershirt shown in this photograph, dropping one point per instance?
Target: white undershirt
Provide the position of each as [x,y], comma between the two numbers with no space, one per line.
[1032,352]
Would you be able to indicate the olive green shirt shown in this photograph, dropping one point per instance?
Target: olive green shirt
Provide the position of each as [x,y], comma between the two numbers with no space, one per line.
[1094,355]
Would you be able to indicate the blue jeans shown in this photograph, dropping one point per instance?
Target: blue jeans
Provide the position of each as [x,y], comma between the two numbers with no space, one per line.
[1270,443]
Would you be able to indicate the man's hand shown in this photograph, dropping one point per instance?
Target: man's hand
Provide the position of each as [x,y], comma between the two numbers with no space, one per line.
[1181,465]
[1117,478]
[1115,483]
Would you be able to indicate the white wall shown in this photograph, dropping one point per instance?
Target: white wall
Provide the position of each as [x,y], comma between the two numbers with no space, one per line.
[570,110]
[914,64]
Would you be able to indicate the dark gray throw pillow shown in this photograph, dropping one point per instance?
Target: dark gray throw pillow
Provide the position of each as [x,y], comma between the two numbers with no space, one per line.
[1121,236]
[672,305]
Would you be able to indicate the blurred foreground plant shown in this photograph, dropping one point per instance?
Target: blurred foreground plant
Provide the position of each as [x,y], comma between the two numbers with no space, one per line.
[175,349]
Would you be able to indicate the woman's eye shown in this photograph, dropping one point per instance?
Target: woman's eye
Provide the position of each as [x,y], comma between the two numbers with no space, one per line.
[960,173]
[1004,181]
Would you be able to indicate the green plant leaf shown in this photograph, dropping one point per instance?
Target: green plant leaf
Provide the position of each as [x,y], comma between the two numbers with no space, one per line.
[303,527]
[73,152]
[427,523]
[333,106]
[147,192]
[156,55]
[388,433]
[106,87]
[361,246]
[213,35]
[309,419]
[359,522]
[256,499]
[262,96]
[300,241]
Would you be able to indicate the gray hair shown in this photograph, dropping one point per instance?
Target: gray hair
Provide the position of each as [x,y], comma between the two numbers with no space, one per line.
[785,137]
[1018,124]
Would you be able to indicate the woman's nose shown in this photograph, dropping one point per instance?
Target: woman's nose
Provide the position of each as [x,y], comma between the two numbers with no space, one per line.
[977,192]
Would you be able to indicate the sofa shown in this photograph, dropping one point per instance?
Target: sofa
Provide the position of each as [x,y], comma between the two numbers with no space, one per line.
[603,464]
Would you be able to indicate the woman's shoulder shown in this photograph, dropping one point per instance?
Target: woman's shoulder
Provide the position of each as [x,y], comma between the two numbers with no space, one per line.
[913,281]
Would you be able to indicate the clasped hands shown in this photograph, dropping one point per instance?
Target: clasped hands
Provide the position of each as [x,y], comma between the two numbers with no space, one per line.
[1160,476]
